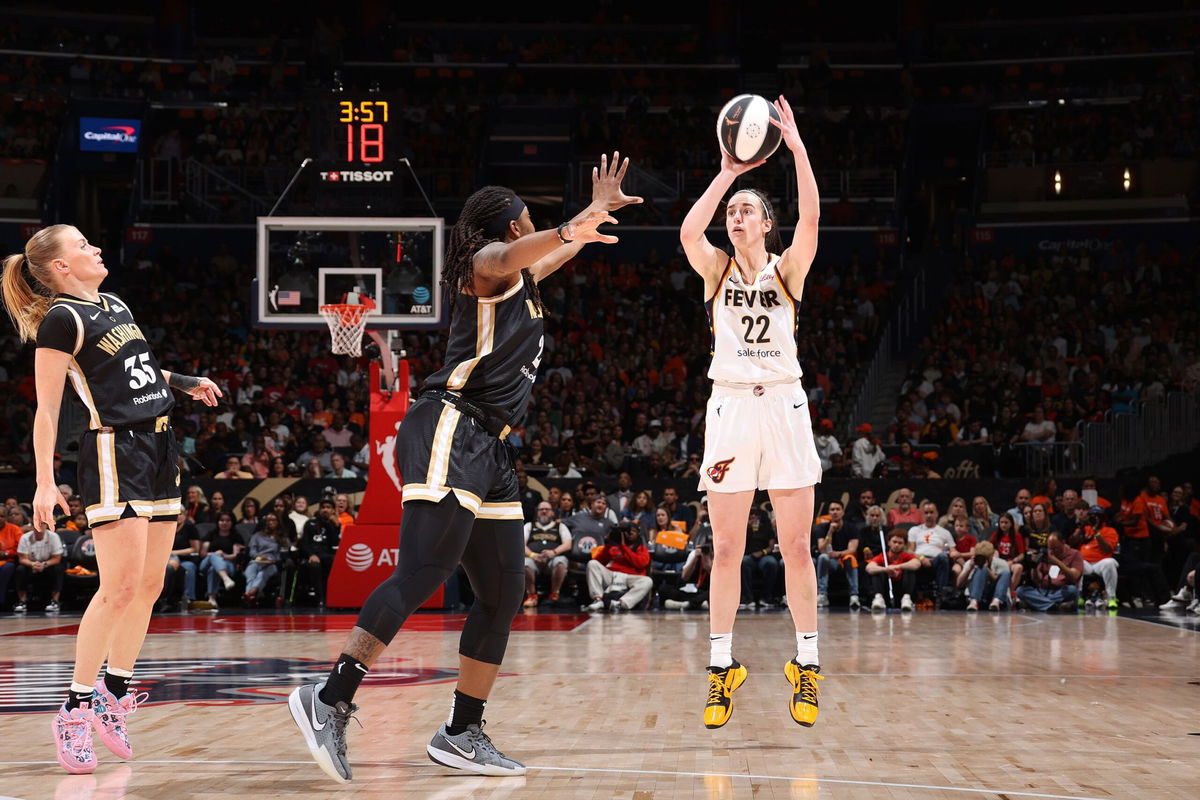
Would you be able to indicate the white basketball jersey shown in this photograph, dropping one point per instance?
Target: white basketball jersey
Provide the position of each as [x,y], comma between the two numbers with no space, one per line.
[753,328]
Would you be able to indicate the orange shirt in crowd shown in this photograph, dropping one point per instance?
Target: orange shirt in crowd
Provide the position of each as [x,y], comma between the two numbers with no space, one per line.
[345,519]
[1092,552]
[10,537]
[897,517]
[1157,511]
[1137,510]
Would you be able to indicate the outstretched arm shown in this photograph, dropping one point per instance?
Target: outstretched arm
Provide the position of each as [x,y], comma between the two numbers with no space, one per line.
[798,257]
[705,259]
[607,195]
[500,261]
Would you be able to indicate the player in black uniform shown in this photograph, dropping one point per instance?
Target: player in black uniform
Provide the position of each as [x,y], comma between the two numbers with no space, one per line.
[128,477]
[461,502]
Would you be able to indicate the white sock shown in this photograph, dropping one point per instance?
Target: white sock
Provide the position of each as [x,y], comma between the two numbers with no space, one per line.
[80,688]
[806,649]
[124,673]
[720,650]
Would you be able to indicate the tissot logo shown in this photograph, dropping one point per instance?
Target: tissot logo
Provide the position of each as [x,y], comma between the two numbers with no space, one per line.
[357,176]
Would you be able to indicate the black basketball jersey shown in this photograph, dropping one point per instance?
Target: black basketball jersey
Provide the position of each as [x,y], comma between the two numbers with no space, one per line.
[112,368]
[493,353]
[539,537]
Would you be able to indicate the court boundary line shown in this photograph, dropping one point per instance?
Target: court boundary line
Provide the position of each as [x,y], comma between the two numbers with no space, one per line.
[1161,625]
[667,773]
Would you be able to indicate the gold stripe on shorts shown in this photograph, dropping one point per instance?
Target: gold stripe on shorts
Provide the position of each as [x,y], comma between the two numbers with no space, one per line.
[443,443]
[510,510]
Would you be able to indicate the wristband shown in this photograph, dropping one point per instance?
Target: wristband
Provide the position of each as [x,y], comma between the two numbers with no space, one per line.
[559,231]
[184,383]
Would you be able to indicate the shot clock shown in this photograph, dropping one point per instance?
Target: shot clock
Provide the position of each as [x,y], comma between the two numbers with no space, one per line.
[356,138]
[359,166]
[365,124]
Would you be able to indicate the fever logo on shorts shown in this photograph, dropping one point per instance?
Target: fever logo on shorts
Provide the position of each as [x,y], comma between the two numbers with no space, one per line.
[716,473]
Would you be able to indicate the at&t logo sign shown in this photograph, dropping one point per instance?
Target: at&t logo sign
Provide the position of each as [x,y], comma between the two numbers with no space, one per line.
[360,557]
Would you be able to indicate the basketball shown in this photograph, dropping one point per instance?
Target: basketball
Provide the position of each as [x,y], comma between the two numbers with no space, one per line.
[744,128]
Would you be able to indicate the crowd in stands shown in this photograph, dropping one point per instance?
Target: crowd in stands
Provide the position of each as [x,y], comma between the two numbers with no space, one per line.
[237,108]
[999,34]
[1024,349]
[280,554]
[1160,123]
[1056,549]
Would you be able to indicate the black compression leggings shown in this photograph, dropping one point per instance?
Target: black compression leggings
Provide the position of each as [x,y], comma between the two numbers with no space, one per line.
[434,539]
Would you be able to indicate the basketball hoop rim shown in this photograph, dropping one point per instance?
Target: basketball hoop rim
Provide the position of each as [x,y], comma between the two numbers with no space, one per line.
[348,313]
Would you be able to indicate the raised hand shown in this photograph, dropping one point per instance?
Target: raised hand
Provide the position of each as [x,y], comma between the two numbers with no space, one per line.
[606,184]
[787,125]
[583,228]
[729,165]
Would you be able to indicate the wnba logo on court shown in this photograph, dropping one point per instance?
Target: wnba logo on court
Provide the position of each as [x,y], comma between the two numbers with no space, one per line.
[359,557]
[716,473]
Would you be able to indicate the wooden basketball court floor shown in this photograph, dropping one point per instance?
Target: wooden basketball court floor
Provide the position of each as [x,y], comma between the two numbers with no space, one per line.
[924,705]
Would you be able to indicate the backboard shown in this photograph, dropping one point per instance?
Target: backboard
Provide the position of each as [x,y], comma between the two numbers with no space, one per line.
[305,262]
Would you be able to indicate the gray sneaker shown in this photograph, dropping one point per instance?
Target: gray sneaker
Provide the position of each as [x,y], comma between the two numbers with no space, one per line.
[324,729]
[473,751]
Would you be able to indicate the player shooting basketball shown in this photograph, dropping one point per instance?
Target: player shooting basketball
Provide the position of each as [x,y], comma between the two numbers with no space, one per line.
[758,432]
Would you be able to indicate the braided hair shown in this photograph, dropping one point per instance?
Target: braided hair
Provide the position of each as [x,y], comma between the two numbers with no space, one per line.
[468,237]
[773,239]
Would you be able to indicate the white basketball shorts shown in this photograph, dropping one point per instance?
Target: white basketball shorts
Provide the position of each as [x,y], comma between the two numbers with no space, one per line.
[758,437]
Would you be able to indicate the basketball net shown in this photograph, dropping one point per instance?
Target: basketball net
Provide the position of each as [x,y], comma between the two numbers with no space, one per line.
[346,324]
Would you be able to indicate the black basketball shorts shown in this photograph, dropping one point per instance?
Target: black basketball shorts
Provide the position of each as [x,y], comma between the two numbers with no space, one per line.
[129,473]
[440,450]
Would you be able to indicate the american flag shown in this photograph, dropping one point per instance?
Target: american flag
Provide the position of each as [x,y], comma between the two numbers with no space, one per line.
[287,298]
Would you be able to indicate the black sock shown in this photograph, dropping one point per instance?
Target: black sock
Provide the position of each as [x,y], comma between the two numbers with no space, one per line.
[76,699]
[343,680]
[465,711]
[118,685]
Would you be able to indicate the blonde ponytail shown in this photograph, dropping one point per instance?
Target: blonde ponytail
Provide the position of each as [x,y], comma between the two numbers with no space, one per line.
[28,300]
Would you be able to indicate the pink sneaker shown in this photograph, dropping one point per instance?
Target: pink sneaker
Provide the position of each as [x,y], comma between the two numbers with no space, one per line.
[73,738]
[109,718]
